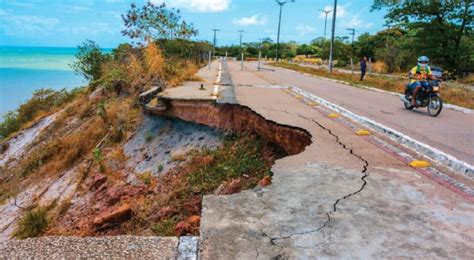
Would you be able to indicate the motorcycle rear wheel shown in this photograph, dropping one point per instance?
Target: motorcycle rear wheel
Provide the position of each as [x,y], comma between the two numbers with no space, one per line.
[435,106]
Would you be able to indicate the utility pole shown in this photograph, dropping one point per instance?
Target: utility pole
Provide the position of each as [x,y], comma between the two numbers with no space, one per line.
[240,44]
[325,20]
[353,33]
[281,3]
[214,46]
[332,35]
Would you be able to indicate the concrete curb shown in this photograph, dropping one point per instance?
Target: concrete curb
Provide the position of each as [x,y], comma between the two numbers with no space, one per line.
[422,148]
[446,105]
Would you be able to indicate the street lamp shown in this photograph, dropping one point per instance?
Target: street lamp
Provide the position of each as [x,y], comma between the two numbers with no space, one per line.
[214,45]
[326,20]
[240,44]
[281,3]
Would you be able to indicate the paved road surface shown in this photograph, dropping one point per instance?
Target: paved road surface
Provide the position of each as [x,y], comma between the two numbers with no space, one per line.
[451,132]
[342,197]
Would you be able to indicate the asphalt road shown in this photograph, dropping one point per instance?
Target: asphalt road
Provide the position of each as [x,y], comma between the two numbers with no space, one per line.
[451,132]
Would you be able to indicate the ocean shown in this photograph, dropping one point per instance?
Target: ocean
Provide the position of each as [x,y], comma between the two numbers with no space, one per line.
[26,69]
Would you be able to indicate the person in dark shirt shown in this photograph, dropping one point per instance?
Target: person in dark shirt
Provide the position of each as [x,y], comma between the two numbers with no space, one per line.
[363,67]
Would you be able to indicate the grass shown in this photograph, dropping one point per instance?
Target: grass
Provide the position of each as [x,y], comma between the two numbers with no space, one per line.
[246,158]
[454,95]
[32,223]
[165,227]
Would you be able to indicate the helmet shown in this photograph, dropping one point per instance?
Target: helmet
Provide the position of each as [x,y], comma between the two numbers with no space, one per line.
[423,61]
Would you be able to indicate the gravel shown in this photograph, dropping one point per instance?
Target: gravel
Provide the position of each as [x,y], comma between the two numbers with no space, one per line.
[131,247]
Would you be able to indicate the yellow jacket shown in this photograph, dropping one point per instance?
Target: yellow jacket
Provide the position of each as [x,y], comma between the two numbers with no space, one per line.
[420,73]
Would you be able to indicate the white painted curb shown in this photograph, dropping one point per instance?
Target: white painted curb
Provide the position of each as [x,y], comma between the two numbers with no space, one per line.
[446,105]
[422,148]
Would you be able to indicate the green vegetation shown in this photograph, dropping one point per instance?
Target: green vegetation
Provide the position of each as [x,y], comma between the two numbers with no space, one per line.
[89,60]
[160,167]
[32,223]
[98,158]
[156,22]
[43,102]
[148,136]
[238,164]
[441,30]
[454,95]
[239,155]
[165,227]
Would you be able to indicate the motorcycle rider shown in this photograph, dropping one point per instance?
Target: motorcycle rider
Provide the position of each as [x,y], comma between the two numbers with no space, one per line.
[418,74]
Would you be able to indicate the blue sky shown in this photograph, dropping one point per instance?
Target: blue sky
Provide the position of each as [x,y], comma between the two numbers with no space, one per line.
[68,23]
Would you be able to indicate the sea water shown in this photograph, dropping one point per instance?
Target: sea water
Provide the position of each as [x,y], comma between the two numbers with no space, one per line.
[26,69]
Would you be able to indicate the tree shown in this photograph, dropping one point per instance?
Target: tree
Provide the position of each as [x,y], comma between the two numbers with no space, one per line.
[305,49]
[156,22]
[439,28]
[89,60]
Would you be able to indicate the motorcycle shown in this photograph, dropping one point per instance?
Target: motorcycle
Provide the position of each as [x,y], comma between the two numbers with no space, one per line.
[428,96]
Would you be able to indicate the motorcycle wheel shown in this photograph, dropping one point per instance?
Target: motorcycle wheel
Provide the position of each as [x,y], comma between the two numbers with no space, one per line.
[435,106]
[407,105]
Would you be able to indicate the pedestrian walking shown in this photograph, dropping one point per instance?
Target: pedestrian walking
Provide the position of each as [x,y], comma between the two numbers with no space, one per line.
[363,67]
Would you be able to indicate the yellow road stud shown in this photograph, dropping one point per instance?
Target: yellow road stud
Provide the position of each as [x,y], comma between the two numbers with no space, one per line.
[299,97]
[362,132]
[419,164]
[312,104]
[333,115]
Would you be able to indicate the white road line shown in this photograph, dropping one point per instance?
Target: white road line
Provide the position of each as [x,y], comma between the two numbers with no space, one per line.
[422,148]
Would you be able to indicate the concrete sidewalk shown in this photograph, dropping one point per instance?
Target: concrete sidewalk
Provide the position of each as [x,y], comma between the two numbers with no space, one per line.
[343,197]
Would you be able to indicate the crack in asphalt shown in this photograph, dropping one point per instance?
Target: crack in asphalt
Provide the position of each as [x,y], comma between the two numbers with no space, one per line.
[364,171]
[351,151]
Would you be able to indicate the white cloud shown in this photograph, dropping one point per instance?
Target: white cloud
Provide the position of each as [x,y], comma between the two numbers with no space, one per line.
[202,6]
[79,8]
[251,20]
[356,23]
[21,24]
[305,29]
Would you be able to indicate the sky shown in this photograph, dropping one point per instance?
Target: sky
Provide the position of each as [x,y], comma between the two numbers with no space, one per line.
[67,23]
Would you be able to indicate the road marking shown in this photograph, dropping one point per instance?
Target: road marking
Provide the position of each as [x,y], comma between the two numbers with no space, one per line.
[432,173]
[362,132]
[430,152]
[419,164]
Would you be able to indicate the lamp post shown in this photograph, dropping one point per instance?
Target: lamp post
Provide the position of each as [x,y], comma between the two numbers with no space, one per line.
[281,3]
[240,44]
[326,12]
[332,35]
[214,45]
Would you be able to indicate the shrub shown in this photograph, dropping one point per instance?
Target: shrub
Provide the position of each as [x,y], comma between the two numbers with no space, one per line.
[32,223]
[43,101]
[89,60]
[10,124]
